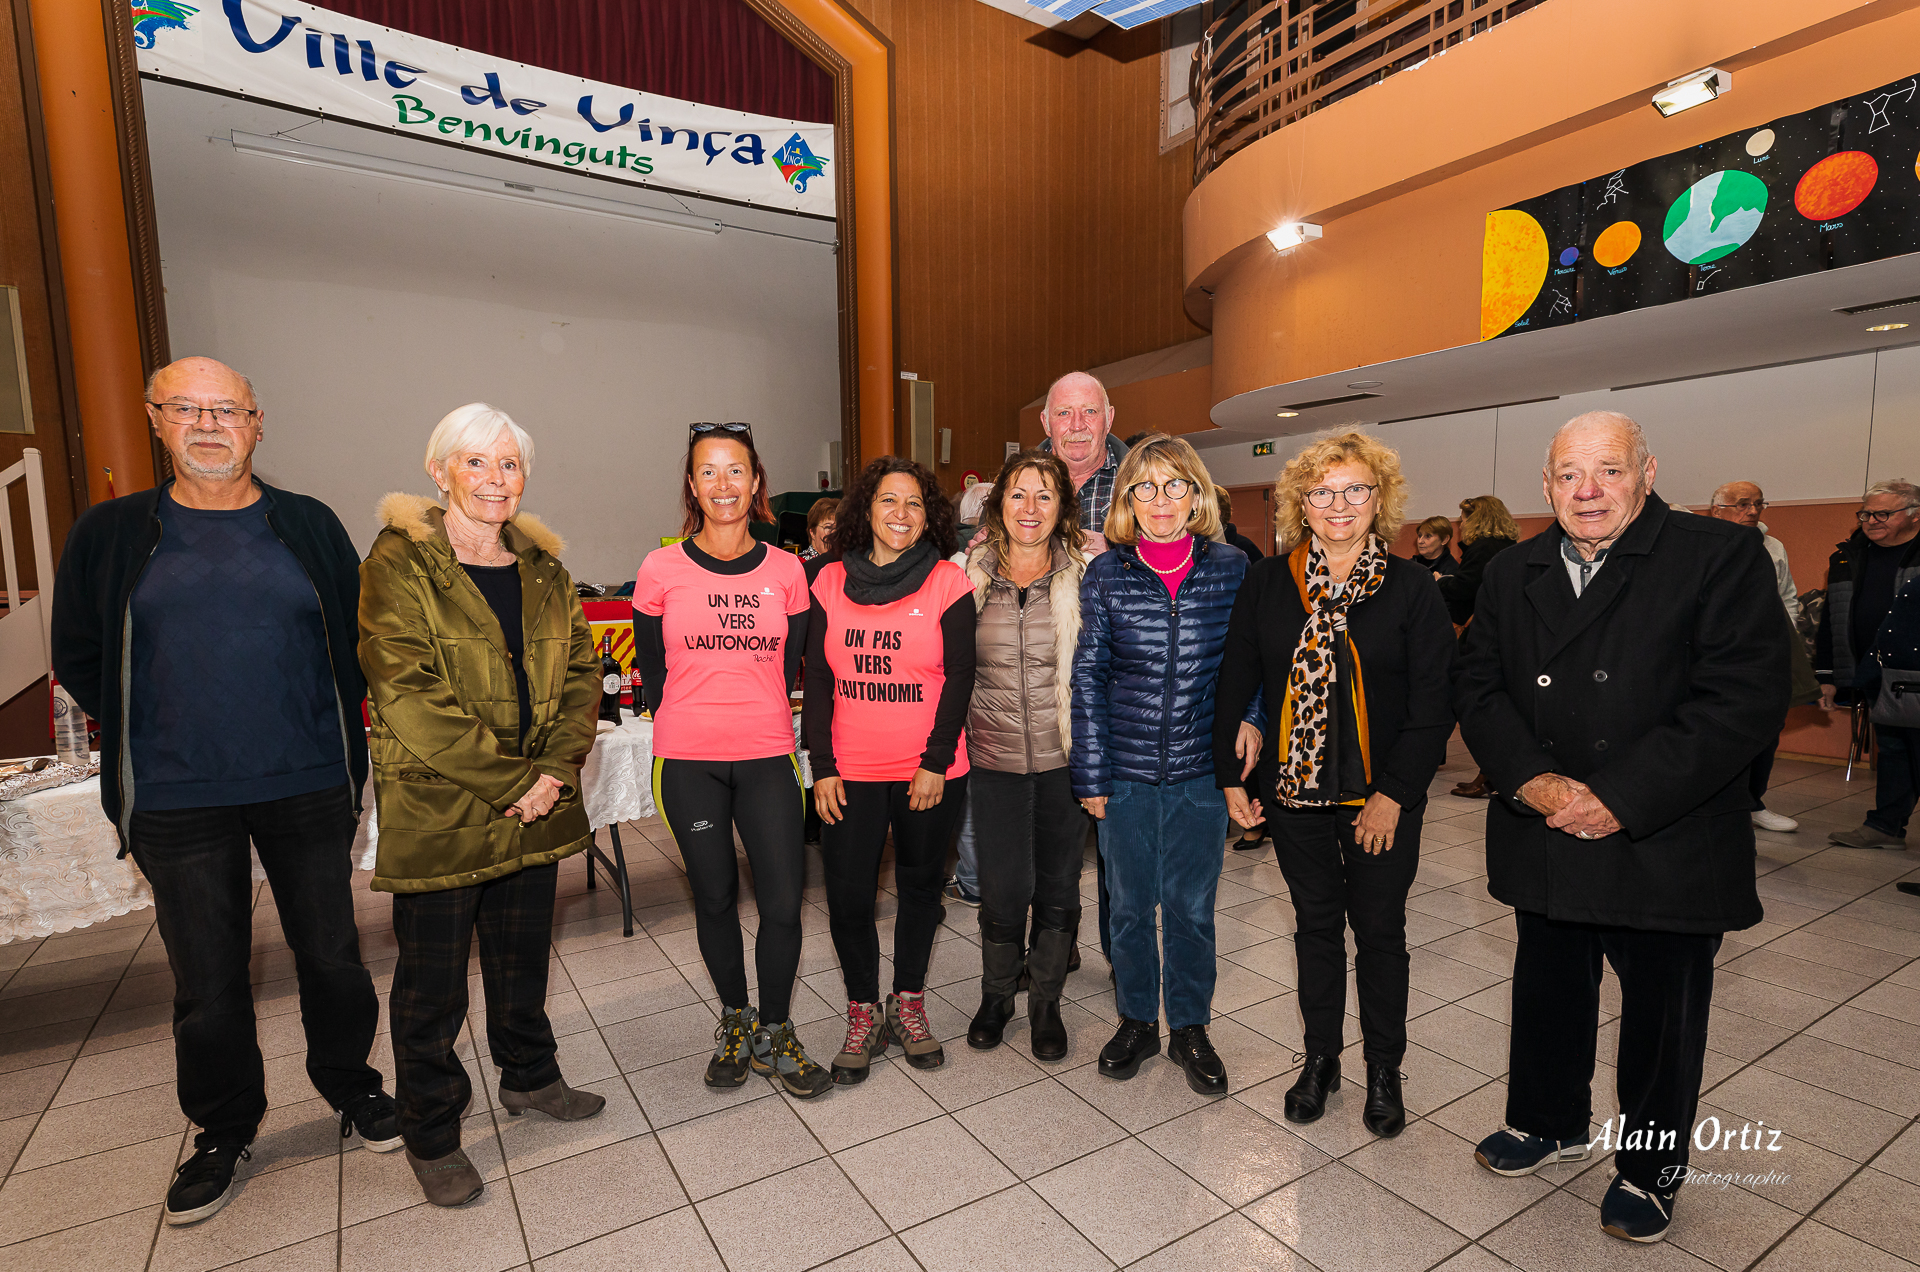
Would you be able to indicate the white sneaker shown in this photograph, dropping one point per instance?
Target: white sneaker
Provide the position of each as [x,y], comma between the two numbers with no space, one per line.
[1774,821]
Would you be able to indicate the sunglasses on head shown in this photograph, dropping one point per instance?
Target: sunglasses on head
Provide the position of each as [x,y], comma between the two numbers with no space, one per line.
[697,431]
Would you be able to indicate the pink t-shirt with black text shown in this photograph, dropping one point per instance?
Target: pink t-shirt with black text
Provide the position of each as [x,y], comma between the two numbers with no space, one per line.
[888,664]
[726,636]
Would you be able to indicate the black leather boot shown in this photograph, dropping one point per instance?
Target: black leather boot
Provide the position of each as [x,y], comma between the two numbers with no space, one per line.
[1000,971]
[1385,1115]
[1307,1098]
[1192,1050]
[1133,1042]
[1047,965]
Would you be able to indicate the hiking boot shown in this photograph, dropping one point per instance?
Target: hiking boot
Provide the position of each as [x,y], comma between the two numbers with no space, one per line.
[376,1117]
[777,1054]
[866,1039]
[733,1048]
[907,1025]
[204,1183]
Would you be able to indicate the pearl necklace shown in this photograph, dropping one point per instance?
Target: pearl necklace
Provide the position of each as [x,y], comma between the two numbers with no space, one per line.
[1176,569]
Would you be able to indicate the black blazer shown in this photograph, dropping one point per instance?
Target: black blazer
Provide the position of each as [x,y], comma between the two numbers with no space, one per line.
[1657,687]
[1406,649]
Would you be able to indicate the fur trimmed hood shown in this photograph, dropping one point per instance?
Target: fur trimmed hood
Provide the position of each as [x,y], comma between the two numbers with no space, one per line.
[422,520]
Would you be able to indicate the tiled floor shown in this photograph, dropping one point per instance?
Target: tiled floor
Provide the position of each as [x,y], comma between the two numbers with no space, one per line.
[995,1161]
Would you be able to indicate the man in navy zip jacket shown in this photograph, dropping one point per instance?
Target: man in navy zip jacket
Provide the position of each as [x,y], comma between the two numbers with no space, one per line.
[209,625]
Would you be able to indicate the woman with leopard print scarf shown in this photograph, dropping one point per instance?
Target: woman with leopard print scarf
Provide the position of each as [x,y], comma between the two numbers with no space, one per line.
[1354,646]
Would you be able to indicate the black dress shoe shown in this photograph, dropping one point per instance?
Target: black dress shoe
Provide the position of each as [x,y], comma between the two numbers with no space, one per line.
[1384,1115]
[1133,1042]
[1191,1049]
[1045,1030]
[990,1023]
[1307,1098]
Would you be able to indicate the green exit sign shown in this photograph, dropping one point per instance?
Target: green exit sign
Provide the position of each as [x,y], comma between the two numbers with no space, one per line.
[1262,448]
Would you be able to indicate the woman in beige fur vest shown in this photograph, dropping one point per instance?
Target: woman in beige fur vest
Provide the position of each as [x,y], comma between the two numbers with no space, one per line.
[1031,833]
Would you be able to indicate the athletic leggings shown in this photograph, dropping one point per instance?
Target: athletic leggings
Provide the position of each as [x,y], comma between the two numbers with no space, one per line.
[852,848]
[702,801]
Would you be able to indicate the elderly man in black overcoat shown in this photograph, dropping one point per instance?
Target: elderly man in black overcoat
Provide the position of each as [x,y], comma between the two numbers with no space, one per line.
[1623,669]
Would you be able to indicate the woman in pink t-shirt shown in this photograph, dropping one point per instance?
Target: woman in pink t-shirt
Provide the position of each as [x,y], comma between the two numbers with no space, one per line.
[889,677]
[719,622]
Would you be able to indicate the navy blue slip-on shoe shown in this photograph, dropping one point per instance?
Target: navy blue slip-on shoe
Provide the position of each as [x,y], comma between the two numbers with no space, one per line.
[1634,1214]
[1510,1152]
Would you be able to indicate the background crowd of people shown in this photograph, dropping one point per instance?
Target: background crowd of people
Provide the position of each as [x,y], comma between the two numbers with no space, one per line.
[1081,647]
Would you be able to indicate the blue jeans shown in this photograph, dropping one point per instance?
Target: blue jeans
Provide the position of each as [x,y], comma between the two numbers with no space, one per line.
[1163,847]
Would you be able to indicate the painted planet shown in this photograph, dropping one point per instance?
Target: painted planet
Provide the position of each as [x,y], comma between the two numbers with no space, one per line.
[1836,185]
[1715,216]
[1569,256]
[1513,266]
[1760,142]
[1617,244]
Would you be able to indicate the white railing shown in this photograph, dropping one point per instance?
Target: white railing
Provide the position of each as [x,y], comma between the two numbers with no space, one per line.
[26,649]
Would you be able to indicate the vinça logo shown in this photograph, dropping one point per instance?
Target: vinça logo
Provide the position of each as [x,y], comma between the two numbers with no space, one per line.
[798,163]
[150,17]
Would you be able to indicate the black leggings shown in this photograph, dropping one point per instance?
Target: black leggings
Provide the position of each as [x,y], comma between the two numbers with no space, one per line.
[702,801]
[1031,840]
[852,847]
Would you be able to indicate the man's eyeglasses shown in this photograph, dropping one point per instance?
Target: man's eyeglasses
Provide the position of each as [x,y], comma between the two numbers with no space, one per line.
[187,413]
[1879,516]
[1356,495]
[1147,492]
[1746,505]
[697,431]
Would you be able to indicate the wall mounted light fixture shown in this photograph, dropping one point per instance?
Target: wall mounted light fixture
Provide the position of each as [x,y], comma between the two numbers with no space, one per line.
[1292,234]
[1692,90]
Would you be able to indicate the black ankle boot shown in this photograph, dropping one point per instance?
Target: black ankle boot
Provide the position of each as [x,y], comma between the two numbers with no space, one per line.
[1191,1049]
[1000,971]
[1307,1098]
[1133,1042]
[1047,966]
[1385,1115]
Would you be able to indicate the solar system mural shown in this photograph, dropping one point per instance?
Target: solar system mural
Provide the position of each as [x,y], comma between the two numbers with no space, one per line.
[1827,188]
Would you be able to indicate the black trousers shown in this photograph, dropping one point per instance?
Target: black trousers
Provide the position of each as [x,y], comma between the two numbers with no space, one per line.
[1030,836]
[1335,883]
[197,863]
[1760,772]
[514,918]
[851,849]
[701,802]
[1666,986]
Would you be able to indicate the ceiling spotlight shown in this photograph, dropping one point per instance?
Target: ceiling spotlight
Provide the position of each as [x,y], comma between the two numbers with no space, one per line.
[1292,235]
[1287,415]
[1888,326]
[1366,384]
[1692,90]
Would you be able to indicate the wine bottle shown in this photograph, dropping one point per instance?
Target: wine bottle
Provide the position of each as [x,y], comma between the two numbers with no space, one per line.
[609,680]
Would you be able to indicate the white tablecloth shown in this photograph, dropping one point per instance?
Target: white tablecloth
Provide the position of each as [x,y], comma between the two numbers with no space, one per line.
[58,864]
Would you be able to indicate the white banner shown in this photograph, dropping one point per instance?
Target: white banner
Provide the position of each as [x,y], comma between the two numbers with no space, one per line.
[312,59]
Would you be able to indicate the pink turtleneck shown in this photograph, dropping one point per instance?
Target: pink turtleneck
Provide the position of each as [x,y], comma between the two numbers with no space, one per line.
[1165,556]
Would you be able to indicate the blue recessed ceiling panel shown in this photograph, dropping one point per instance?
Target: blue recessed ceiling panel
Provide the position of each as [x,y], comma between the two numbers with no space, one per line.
[1133,13]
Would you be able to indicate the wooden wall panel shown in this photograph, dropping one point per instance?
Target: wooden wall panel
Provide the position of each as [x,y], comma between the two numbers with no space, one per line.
[1038,225]
[29,260]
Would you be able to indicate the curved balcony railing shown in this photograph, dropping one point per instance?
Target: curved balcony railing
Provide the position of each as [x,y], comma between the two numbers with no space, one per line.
[1263,64]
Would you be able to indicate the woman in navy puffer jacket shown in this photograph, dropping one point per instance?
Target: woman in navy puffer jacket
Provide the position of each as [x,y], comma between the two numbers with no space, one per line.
[1154,616]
